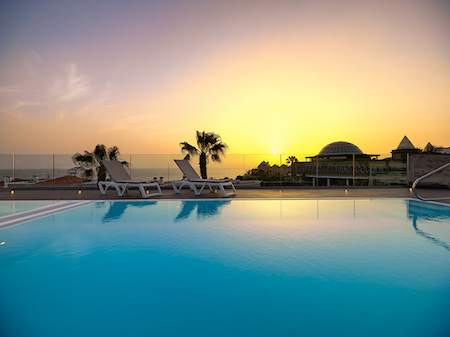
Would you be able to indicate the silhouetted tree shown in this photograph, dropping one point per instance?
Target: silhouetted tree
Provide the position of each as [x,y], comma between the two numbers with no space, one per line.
[91,162]
[209,145]
[291,159]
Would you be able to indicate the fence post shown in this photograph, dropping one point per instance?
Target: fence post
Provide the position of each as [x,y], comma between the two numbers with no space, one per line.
[53,171]
[14,169]
[168,167]
[353,169]
[317,170]
[131,167]
[281,172]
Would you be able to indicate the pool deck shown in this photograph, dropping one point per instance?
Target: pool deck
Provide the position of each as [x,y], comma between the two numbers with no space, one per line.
[242,193]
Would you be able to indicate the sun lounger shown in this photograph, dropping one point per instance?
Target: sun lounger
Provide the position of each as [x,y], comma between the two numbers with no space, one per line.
[122,181]
[198,184]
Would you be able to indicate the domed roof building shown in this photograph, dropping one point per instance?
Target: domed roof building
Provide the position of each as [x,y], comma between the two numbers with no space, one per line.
[338,163]
[345,164]
[340,148]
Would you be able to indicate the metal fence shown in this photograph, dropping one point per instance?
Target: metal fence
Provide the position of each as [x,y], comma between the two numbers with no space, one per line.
[53,171]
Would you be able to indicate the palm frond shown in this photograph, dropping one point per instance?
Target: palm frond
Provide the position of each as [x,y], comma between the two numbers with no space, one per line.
[219,148]
[90,163]
[291,160]
[84,160]
[201,141]
[85,173]
[209,145]
[212,138]
[188,148]
[216,158]
[207,140]
[113,153]
[100,152]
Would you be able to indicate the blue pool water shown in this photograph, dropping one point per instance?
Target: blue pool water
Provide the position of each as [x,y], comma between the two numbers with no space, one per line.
[11,207]
[229,268]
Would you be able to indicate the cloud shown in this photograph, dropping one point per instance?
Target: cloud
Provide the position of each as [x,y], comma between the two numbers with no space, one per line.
[13,89]
[100,98]
[35,86]
[71,86]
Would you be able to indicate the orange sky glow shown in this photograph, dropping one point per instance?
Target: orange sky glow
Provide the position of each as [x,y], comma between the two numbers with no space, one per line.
[285,77]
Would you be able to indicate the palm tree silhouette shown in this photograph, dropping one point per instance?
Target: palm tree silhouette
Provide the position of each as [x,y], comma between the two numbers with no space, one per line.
[291,160]
[209,145]
[91,162]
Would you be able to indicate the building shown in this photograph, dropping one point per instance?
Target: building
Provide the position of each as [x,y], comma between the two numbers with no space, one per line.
[435,149]
[345,164]
[404,149]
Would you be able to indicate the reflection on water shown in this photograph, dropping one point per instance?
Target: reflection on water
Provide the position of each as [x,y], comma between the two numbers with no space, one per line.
[419,211]
[205,209]
[117,209]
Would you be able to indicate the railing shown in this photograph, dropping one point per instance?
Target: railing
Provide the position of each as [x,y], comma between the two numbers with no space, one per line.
[56,171]
[418,180]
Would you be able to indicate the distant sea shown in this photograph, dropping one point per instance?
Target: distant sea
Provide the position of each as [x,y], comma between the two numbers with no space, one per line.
[140,174]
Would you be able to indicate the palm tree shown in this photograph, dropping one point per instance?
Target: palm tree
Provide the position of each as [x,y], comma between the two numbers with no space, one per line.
[209,145]
[91,162]
[291,160]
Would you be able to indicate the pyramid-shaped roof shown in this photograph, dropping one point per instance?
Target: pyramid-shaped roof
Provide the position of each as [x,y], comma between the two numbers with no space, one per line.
[405,144]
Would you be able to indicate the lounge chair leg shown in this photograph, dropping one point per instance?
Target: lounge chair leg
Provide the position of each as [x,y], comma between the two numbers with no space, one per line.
[174,186]
[148,195]
[198,191]
[102,188]
[225,194]
[121,191]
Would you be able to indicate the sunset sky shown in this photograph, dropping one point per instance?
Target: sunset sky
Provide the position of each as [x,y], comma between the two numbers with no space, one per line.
[284,76]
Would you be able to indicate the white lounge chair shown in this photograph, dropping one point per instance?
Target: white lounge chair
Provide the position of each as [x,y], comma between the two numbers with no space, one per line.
[197,184]
[121,181]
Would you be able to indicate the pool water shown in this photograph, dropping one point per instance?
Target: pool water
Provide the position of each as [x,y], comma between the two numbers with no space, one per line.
[229,268]
[11,207]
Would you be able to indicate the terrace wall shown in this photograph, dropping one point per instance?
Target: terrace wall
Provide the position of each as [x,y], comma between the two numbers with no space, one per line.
[420,164]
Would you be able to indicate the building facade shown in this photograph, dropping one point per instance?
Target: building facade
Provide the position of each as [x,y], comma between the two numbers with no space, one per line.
[344,164]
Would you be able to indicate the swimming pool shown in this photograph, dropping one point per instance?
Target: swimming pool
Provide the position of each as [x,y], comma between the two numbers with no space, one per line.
[11,207]
[229,268]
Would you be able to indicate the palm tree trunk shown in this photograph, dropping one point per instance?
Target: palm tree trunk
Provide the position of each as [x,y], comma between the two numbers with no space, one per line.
[203,165]
[101,176]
